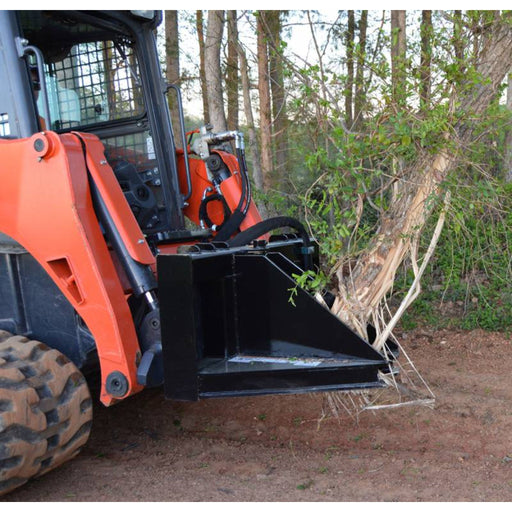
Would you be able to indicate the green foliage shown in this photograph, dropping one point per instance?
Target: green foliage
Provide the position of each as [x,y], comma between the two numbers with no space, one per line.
[468,285]
[358,171]
[349,176]
[342,179]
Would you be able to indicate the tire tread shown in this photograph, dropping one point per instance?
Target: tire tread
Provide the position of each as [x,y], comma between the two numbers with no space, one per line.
[45,410]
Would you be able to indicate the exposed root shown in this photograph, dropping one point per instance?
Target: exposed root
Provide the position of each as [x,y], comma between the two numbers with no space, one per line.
[404,386]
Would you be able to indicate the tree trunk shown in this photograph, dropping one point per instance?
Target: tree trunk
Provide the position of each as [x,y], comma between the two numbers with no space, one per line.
[359,98]
[372,275]
[202,70]
[279,115]
[426,58]
[398,53]
[458,43]
[508,138]
[349,88]
[232,72]
[213,70]
[172,60]
[257,174]
[109,60]
[265,108]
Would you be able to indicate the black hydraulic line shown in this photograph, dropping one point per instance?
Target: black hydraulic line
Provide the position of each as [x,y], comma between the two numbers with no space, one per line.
[245,196]
[238,215]
[230,226]
[245,173]
[268,225]
[203,210]
[265,227]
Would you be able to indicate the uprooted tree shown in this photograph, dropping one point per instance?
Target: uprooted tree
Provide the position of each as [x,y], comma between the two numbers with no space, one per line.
[421,178]
[382,182]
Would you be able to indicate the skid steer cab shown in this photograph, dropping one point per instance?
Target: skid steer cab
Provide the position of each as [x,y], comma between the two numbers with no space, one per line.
[126,257]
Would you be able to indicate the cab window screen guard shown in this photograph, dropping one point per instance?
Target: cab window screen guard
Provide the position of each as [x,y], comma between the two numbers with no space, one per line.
[95,82]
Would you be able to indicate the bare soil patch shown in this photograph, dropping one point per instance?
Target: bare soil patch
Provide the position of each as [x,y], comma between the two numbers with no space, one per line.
[279,448]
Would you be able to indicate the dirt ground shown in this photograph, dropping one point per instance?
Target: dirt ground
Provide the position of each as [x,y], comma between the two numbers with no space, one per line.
[292,448]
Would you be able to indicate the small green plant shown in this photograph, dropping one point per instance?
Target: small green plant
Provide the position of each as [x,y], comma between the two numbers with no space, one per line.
[305,485]
[293,293]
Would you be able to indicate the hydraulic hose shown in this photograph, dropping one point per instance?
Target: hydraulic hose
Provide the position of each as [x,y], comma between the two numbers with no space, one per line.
[245,174]
[203,210]
[268,225]
[234,221]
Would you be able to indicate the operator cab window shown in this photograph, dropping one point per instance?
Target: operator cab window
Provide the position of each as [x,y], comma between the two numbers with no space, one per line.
[93,85]
[90,73]
[94,82]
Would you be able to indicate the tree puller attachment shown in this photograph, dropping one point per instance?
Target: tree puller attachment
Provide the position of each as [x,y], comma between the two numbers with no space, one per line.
[126,256]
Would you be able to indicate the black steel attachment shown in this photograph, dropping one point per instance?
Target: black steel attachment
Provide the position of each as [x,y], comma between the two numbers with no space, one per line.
[235,323]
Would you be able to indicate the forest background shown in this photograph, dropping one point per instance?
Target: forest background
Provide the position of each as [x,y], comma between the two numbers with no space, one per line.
[389,133]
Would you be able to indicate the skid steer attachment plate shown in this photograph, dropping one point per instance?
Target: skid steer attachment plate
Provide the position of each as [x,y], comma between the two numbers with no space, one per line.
[235,323]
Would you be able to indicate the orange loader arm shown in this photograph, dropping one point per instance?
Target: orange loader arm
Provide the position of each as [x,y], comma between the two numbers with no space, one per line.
[46,206]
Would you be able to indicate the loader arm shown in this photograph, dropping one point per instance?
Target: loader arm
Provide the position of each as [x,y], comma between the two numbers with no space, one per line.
[46,207]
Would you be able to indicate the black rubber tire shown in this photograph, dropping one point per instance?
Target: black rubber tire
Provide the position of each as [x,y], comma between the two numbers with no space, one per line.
[45,410]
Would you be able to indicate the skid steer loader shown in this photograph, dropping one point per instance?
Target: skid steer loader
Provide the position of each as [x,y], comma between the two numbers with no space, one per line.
[126,257]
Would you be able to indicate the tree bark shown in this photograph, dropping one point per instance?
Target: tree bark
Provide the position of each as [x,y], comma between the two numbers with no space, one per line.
[213,70]
[349,49]
[372,275]
[257,173]
[172,60]
[426,58]
[265,105]
[360,97]
[398,52]
[508,138]
[279,115]
[458,43]
[232,72]
[110,72]
[202,70]
[172,47]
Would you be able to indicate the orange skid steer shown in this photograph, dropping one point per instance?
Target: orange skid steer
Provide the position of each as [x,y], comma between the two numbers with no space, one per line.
[125,257]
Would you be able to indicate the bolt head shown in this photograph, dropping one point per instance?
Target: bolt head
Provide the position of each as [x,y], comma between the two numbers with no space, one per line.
[39,145]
